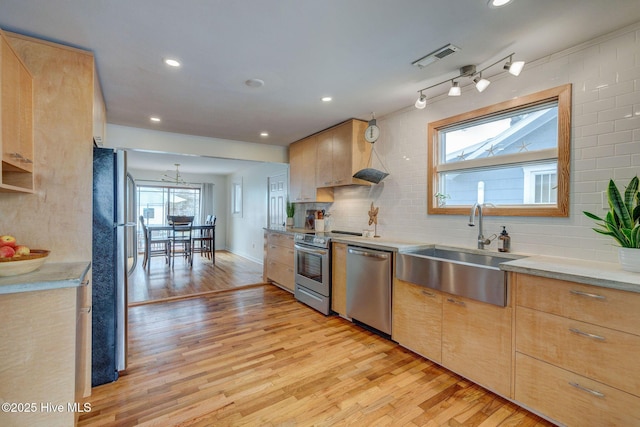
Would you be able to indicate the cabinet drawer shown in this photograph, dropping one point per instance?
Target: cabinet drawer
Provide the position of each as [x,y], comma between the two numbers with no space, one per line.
[281,254]
[570,398]
[280,273]
[599,353]
[278,239]
[605,307]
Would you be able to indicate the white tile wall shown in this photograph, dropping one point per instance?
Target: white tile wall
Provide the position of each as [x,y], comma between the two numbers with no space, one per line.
[605,74]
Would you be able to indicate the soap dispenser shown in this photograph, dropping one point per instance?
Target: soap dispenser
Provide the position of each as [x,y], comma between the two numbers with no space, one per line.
[505,240]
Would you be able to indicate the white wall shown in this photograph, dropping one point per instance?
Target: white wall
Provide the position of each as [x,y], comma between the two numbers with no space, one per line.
[167,142]
[245,234]
[221,207]
[605,74]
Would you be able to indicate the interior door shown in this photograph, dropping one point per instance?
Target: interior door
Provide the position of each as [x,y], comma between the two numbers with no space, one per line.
[277,200]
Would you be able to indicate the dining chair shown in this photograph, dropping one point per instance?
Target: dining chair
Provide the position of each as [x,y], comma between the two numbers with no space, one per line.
[180,238]
[204,241]
[158,246]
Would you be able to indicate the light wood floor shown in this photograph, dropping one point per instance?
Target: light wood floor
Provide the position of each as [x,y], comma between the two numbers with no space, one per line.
[257,357]
[162,283]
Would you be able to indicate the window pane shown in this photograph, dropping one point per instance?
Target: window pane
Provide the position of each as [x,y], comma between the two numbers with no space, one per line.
[502,186]
[527,130]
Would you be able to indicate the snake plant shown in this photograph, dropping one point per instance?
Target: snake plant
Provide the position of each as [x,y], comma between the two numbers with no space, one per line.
[291,209]
[622,222]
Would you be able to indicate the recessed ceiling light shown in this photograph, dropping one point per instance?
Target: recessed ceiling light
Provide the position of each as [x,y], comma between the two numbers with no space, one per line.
[172,62]
[498,3]
[326,99]
[264,134]
[155,119]
[254,83]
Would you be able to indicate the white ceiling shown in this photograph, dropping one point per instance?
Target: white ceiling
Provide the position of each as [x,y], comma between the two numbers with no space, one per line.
[357,51]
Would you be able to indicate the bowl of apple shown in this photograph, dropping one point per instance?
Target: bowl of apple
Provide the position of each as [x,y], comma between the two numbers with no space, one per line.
[18,259]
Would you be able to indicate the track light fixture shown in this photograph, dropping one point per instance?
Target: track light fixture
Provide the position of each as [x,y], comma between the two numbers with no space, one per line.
[421,103]
[481,84]
[513,67]
[455,89]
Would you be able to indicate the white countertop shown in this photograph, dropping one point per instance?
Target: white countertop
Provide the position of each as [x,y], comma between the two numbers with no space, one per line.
[597,273]
[53,275]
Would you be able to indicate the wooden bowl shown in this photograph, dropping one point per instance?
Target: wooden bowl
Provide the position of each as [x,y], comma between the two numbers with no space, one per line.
[23,264]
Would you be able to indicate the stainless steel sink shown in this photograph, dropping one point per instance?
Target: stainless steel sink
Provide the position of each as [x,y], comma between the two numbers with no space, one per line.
[468,274]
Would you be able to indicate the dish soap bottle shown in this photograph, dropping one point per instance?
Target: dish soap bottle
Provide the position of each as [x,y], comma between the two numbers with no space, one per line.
[505,240]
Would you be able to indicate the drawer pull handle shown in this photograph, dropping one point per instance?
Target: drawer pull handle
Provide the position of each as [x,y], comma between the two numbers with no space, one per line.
[588,390]
[587,294]
[587,334]
[429,294]
[453,301]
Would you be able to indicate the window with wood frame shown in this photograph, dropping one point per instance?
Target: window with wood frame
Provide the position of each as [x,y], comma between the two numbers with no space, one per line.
[512,156]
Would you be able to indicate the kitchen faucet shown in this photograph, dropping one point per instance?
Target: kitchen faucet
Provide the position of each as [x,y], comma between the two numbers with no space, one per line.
[481,239]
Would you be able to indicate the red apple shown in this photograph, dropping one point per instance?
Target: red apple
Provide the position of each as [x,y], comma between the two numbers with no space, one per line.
[6,252]
[22,250]
[7,240]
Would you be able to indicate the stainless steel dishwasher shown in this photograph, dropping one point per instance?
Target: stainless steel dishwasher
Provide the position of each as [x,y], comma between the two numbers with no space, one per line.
[369,287]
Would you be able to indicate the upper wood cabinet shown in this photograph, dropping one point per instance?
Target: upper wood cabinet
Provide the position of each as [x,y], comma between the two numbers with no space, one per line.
[342,151]
[16,119]
[302,173]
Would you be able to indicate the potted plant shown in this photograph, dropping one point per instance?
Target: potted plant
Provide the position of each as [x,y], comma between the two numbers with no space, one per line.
[622,222]
[291,210]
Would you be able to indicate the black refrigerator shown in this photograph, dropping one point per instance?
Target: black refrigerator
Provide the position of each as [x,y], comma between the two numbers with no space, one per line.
[113,259]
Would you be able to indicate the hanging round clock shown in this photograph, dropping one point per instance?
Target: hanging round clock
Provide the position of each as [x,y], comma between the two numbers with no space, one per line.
[372,132]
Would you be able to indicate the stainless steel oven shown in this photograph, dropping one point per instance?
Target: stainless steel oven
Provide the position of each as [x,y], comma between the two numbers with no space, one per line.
[313,271]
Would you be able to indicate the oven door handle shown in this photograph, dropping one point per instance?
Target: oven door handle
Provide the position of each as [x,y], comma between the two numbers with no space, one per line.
[309,250]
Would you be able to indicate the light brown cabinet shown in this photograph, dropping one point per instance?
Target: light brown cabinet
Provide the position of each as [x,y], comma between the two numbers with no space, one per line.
[417,319]
[302,173]
[279,260]
[576,351]
[469,337]
[476,342]
[342,151]
[16,119]
[339,278]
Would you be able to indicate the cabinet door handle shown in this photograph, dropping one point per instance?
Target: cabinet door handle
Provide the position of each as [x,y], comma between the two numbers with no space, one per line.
[587,294]
[453,301]
[429,294]
[588,390]
[587,334]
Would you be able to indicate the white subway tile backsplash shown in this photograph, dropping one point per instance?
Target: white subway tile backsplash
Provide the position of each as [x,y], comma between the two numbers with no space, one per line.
[628,148]
[613,162]
[615,138]
[597,128]
[628,123]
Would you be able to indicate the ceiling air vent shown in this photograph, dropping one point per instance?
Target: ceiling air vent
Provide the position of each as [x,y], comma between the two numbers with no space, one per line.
[436,55]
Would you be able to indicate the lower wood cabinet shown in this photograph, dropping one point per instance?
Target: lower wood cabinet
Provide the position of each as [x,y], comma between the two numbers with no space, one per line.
[339,278]
[279,260]
[469,337]
[476,342]
[576,352]
[417,319]
[572,399]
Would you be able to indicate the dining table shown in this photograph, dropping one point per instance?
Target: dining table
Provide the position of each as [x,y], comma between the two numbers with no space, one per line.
[151,229]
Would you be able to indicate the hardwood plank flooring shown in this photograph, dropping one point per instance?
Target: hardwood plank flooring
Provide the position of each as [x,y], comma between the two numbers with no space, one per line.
[257,357]
[162,283]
